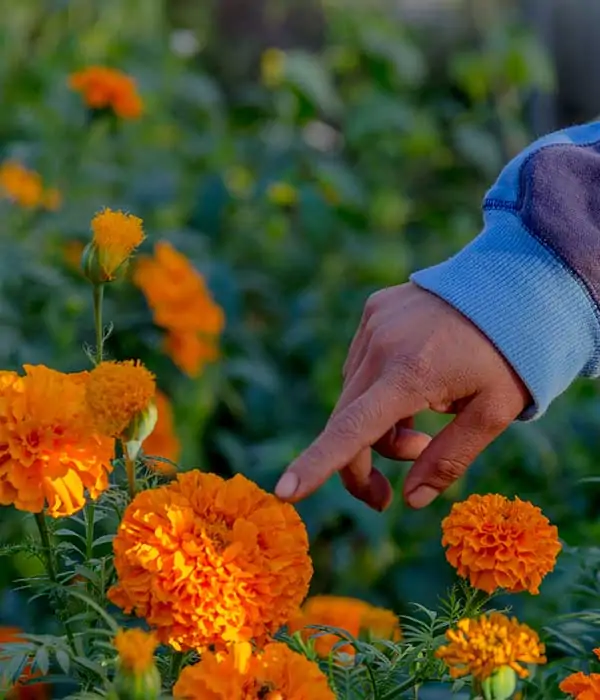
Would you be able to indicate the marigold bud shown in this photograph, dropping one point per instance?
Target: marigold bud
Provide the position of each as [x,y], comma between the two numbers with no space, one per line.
[500,685]
[137,677]
[141,426]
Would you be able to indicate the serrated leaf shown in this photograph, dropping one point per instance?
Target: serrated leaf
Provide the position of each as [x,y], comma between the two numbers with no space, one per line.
[63,660]
[42,660]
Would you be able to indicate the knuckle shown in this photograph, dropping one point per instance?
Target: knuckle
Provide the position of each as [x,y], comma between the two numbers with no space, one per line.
[372,303]
[448,470]
[347,425]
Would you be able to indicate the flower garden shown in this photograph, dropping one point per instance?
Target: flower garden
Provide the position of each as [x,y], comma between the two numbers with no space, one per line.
[148,404]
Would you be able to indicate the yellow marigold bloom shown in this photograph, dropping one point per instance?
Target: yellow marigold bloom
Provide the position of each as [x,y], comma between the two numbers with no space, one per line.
[117,392]
[37,691]
[116,236]
[208,561]
[181,304]
[275,674]
[25,187]
[136,649]
[482,646]
[50,450]
[107,88]
[350,614]
[163,440]
[283,194]
[581,686]
[272,67]
[498,543]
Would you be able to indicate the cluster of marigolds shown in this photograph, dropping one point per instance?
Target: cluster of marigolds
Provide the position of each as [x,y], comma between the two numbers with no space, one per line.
[218,566]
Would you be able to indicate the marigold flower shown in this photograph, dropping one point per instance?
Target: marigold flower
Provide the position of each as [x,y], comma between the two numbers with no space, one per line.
[581,686]
[136,649]
[481,646]
[34,691]
[208,561]
[116,236]
[498,543]
[163,440]
[107,88]
[117,392]
[72,251]
[350,614]
[276,673]
[181,304]
[25,187]
[50,450]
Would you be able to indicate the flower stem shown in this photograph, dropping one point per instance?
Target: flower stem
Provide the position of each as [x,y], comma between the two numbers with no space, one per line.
[176,663]
[130,469]
[98,300]
[89,526]
[40,519]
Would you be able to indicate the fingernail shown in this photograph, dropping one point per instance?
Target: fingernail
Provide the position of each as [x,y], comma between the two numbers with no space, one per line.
[287,485]
[422,496]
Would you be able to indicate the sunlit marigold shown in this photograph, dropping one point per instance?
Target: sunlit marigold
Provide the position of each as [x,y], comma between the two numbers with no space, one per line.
[498,543]
[277,673]
[117,392]
[136,649]
[107,88]
[481,646]
[581,686]
[163,441]
[25,187]
[50,451]
[208,561]
[116,236]
[349,614]
[182,305]
[35,691]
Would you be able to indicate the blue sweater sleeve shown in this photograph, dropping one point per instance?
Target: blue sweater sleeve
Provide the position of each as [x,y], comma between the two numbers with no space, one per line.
[531,280]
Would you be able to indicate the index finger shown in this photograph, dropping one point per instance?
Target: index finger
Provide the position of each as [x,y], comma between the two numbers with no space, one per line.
[359,425]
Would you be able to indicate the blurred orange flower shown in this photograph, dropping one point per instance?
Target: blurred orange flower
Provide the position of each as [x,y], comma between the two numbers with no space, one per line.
[36,691]
[25,187]
[163,440]
[484,645]
[208,561]
[106,88]
[72,251]
[350,614]
[276,673]
[498,543]
[118,392]
[182,305]
[581,686]
[50,450]
[116,236]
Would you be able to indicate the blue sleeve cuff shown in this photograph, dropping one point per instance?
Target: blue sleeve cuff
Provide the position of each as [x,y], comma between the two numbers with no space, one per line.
[527,302]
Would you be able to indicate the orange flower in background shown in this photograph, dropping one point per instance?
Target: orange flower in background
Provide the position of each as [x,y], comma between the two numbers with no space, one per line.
[116,236]
[72,252]
[498,543]
[211,561]
[107,88]
[136,649]
[182,305]
[35,691]
[25,187]
[50,450]
[118,392]
[350,614]
[275,674]
[163,440]
[482,646]
[581,686]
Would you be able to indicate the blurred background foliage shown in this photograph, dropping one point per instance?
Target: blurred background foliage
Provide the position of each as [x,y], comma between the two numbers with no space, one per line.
[303,155]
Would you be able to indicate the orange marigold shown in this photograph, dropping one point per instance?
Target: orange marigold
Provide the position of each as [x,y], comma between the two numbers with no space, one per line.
[50,451]
[116,236]
[136,649]
[25,187]
[498,543]
[350,614]
[34,691]
[481,646]
[209,561]
[182,305]
[106,88]
[581,686]
[163,440]
[117,392]
[276,673]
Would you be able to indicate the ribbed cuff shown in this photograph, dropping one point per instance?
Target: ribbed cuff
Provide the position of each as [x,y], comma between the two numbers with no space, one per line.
[527,302]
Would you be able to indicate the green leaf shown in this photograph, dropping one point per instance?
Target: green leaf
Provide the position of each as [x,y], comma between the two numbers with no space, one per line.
[309,76]
[42,660]
[63,660]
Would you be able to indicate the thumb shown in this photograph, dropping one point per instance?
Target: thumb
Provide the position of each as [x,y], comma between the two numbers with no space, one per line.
[452,451]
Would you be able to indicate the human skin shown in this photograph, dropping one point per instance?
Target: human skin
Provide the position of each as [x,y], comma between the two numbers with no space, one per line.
[412,352]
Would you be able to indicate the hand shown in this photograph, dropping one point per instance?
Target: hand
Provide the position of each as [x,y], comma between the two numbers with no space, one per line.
[412,352]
